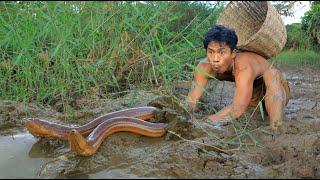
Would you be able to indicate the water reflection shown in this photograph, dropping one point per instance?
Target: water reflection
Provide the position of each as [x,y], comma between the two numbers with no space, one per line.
[48,148]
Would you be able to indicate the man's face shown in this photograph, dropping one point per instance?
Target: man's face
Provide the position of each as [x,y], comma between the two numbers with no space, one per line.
[220,56]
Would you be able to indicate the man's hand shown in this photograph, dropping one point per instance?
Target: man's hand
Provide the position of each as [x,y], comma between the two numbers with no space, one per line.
[192,104]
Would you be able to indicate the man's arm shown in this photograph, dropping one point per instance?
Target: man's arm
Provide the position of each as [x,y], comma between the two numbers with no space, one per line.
[242,96]
[199,83]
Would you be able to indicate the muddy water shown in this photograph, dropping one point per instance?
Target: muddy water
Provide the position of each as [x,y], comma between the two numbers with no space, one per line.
[14,160]
[292,152]
[22,156]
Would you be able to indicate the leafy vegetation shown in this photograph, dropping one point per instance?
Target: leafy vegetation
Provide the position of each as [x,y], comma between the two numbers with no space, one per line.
[311,25]
[296,38]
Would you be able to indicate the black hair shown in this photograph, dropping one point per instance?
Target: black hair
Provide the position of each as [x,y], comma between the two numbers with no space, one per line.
[220,34]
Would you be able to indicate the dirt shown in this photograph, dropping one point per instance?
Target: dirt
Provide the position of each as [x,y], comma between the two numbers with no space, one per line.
[190,148]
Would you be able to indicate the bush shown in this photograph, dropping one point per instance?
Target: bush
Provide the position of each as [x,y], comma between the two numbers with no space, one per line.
[311,25]
[296,38]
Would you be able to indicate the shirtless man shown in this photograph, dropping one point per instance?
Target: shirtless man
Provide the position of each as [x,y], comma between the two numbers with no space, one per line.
[254,77]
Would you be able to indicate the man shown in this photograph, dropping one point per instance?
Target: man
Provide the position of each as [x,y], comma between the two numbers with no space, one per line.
[254,77]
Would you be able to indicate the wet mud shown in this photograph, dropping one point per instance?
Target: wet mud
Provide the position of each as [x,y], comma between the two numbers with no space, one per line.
[190,149]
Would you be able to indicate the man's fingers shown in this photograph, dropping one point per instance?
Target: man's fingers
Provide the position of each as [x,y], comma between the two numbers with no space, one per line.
[217,123]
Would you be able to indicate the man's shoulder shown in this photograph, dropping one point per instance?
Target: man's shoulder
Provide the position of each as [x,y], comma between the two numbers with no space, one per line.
[247,55]
[244,63]
[204,62]
[205,65]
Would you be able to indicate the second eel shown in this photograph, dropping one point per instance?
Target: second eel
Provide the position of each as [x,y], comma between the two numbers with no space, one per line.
[88,146]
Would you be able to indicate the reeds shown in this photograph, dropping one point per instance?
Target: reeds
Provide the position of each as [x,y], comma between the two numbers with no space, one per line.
[55,52]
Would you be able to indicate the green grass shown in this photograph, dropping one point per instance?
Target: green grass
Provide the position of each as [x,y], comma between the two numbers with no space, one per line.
[54,52]
[297,58]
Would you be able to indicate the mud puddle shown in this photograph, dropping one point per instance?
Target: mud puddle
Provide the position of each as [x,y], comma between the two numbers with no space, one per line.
[14,159]
[244,149]
[22,155]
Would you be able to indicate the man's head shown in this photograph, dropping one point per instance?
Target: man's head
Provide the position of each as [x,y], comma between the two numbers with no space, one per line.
[220,43]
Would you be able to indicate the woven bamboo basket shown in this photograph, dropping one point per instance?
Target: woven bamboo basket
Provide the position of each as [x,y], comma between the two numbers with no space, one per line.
[258,25]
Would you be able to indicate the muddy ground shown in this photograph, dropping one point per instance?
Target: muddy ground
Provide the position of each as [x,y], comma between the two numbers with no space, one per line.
[190,149]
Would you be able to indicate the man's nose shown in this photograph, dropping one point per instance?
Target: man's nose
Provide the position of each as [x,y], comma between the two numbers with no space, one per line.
[215,58]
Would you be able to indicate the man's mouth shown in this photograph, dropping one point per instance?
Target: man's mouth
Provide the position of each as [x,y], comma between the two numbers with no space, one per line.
[215,69]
